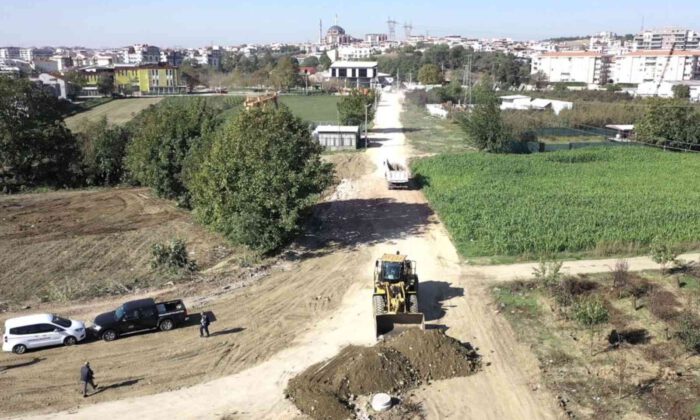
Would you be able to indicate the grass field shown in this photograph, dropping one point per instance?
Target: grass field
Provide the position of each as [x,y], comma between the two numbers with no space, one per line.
[316,108]
[117,111]
[595,202]
[428,134]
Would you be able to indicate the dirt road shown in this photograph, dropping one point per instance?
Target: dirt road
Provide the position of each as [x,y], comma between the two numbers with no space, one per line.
[363,220]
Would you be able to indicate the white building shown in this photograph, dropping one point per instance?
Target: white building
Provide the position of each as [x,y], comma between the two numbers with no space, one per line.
[665,88]
[140,54]
[336,137]
[355,73]
[376,39]
[665,39]
[522,102]
[573,66]
[351,52]
[16,53]
[57,86]
[654,66]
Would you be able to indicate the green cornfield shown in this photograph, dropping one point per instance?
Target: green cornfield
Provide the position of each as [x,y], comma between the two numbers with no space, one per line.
[597,201]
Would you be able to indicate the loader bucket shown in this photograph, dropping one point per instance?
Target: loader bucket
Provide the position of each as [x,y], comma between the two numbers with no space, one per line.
[391,324]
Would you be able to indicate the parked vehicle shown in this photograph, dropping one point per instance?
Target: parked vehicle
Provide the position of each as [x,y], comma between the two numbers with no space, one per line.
[396,174]
[40,330]
[139,315]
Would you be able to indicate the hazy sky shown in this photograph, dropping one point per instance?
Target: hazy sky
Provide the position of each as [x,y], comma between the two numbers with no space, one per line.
[168,23]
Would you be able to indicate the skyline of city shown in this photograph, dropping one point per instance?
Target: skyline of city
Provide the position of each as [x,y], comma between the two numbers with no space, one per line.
[249,23]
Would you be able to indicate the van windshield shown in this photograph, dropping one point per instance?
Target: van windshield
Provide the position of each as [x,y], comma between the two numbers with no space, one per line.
[119,313]
[65,323]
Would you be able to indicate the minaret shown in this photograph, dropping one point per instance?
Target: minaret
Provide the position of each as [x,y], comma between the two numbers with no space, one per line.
[320,32]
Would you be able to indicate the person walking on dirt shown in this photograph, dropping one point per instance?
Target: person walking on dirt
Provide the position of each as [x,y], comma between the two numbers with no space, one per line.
[204,325]
[87,376]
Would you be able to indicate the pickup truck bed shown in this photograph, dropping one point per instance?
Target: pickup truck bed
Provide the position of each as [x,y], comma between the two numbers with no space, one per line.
[396,174]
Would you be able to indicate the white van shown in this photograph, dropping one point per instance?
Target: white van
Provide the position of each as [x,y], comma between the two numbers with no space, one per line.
[40,330]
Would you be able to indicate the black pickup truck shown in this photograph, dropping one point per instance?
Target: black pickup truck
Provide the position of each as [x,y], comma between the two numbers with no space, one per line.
[139,315]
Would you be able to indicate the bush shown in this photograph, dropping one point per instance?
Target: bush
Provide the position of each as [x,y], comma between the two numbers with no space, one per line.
[547,273]
[689,331]
[570,289]
[172,256]
[663,305]
[260,174]
[590,311]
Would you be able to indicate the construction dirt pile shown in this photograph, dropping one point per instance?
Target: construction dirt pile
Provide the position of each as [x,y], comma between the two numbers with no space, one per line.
[328,390]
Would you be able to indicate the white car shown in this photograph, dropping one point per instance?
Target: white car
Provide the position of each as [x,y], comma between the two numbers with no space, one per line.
[40,330]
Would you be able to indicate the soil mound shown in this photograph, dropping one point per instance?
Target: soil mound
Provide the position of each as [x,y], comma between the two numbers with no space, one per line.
[435,355]
[326,391]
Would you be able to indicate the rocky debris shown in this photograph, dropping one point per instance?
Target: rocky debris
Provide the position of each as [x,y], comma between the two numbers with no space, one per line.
[327,390]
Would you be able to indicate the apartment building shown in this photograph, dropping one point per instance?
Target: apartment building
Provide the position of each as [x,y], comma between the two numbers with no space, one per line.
[665,39]
[140,54]
[655,66]
[376,39]
[138,80]
[16,53]
[350,53]
[589,67]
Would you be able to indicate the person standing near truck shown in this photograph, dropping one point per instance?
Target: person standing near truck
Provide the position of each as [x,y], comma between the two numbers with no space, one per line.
[87,376]
[204,325]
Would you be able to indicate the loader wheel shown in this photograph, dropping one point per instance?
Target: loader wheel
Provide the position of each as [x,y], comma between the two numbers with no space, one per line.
[413,304]
[379,305]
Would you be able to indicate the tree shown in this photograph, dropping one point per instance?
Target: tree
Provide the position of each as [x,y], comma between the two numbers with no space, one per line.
[352,107]
[669,122]
[681,91]
[285,74]
[75,81]
[36,148]
[662,253]
[539,79]
[162,138]
[262,172]
[310,61]
[430,74]
[483,125]
[103,148]
[191,73]
[105,84]
[325,61]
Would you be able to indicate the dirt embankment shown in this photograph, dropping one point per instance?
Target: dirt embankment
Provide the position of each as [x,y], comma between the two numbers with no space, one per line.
[328,390]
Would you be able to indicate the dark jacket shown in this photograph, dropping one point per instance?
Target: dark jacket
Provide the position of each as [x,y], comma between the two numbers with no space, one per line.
[205,320]
[86,374]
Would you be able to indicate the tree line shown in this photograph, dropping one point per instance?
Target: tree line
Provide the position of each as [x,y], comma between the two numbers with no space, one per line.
[250,175]
[436,63]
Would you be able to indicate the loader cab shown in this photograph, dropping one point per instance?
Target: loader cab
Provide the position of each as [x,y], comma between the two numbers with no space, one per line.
[393,268]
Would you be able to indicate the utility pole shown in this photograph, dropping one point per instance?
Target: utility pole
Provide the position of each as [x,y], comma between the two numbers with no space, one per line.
[366,138]
[468,79]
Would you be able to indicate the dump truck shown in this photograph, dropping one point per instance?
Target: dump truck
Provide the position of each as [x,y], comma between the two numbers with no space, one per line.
[396,174]
[395,296]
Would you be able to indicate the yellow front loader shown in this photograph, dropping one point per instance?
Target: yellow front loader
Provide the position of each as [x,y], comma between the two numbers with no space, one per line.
[395,295]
